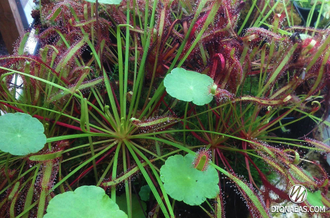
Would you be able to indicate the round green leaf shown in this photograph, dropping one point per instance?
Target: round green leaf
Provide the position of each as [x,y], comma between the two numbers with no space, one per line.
[84,202]
[183,182]
[189,86]
[109,2]
[145,193]
[21,134]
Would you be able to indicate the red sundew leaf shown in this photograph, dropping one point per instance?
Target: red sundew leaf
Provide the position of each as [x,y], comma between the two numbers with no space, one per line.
[225,67]
[199,23]
[325,200]
[268,185]
[322,178]
[69,54]
[263,147]
[255,203]
[218,59]
[273,156]
[235,72]
[318,144]
[155,124]
[300,176]
[264,101]
[239,7]
[260,33]
[36,60]
[296,174]
[274,165]
[55,13]
[61,11]
[321,74]
[222,95]
[278,161]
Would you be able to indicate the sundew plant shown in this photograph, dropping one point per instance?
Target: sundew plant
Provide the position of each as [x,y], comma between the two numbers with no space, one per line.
[144,104]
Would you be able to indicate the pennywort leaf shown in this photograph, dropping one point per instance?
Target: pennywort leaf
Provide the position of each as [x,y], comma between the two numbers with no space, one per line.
[21,134]
[84,202]
[185,183]
[189,86]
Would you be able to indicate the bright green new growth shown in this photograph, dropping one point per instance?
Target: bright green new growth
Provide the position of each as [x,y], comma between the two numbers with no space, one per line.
[189,86]
[21,134]
[109,2]
[202,163]
[183,182]
[213,89]
[84,202]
